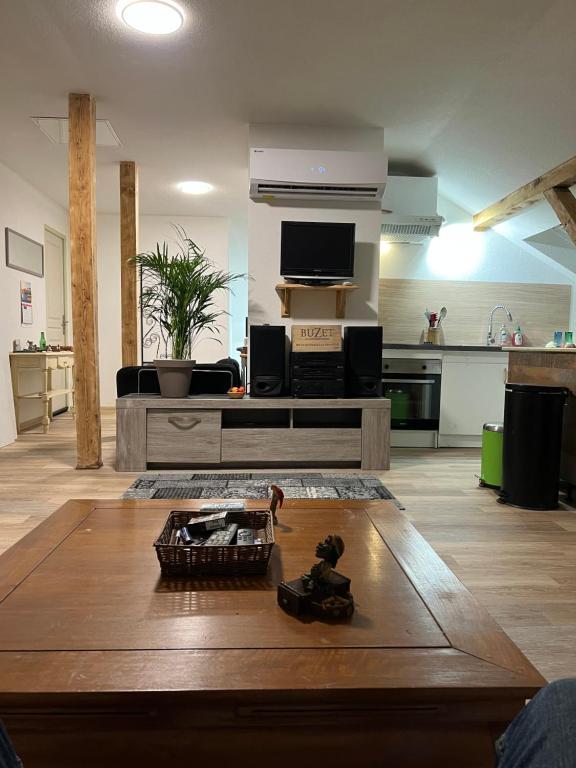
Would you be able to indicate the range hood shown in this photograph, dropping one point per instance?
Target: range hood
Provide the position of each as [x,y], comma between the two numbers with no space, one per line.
[409,209]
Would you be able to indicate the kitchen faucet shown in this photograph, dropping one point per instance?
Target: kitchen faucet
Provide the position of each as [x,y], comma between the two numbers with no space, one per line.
[490,338]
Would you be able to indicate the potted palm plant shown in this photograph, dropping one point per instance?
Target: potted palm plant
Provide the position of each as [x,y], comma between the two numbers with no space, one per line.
[178,295]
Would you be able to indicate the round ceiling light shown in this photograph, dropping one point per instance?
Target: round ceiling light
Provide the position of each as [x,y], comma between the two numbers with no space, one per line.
[195,187]
[154,17]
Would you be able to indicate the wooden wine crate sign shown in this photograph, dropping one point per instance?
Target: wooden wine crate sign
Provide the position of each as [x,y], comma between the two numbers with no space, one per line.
[316,338]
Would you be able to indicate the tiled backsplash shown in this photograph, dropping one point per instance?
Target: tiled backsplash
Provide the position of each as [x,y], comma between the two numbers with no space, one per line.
[538,309]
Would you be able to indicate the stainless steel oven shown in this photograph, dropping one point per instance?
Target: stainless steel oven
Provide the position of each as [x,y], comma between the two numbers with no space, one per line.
[413,387]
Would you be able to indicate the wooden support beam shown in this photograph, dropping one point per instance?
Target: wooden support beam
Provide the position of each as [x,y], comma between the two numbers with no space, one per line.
[564,204]
[129,249]
[82,212]
[563,175]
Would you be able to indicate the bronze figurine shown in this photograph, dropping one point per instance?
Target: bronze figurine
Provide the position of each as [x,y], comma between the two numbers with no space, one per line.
[323,592]
[276,501]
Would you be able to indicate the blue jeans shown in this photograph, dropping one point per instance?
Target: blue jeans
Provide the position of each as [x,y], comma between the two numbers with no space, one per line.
[543,735]
[8,758]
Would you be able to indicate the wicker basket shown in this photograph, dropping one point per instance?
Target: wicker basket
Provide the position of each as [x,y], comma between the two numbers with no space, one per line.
[230,560]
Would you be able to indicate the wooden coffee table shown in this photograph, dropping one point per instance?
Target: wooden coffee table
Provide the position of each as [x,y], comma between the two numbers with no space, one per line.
[103,662]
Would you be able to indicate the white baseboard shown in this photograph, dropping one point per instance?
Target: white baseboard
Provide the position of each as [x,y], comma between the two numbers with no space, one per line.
[413,438]
[459,441]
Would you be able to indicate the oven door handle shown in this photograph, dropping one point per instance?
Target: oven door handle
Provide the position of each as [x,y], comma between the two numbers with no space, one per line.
[408,381]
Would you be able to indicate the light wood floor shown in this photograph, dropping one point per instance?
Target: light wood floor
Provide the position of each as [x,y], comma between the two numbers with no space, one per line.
[520,564]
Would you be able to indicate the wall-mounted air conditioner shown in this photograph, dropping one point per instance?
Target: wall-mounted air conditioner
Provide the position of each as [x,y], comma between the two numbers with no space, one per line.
[409,209]
[306,174]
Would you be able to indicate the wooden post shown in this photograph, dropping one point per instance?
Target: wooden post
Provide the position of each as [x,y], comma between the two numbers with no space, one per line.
[128,249]
[82,212]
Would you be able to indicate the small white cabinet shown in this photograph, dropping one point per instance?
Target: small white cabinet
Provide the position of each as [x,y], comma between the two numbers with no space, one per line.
[473,388]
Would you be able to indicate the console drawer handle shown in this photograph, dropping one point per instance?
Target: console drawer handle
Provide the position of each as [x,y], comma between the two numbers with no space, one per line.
[181,422]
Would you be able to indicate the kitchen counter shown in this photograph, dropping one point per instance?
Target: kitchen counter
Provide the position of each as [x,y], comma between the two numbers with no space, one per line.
[449,347]
[554,350]
[442,394]
[550,367]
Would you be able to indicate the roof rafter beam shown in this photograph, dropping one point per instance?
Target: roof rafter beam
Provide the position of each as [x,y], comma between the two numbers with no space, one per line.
[564,204]
[563,175]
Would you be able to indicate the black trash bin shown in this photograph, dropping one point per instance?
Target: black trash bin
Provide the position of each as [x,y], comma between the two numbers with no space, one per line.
[532,443]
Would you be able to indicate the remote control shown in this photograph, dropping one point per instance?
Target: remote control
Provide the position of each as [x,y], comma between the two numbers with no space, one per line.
[222,538]
[207,523]
[185,537]
[245,536]
[230,506]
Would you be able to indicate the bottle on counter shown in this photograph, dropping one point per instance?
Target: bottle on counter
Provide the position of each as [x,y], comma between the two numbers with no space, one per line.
[504,336]
[42,343]
[518,337]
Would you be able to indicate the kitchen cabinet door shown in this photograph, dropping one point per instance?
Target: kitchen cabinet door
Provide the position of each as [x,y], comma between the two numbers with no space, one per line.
[472,394]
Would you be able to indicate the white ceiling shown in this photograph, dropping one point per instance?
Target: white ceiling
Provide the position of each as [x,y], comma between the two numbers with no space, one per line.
[483,94]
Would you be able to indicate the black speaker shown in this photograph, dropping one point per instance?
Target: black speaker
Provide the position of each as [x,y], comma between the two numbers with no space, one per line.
[268,360]
[363,360]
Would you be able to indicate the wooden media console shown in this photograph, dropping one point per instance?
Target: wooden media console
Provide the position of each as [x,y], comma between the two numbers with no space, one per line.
[198,431]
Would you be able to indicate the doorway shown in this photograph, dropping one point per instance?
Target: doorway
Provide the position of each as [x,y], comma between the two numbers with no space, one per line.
[57,312]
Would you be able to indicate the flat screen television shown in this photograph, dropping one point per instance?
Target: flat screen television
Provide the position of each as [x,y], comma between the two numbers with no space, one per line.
[317,250]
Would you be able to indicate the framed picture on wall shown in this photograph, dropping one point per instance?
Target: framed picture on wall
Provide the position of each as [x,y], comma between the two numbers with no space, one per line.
[23,253]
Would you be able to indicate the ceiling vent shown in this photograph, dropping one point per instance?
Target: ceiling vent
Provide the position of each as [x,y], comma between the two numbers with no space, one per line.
[305,174]
[56,129]
[409,210]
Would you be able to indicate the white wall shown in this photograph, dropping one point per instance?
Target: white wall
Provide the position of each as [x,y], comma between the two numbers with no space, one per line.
[238,264]
[264,222]
[459,253]
[27,211]
[534,220]
[210,233]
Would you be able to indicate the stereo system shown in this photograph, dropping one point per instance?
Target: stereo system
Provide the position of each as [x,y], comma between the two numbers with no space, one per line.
[356,371]
[317,374]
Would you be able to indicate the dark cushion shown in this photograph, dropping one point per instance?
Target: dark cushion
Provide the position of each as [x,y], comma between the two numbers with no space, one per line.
[137,378]
[234,367]
[207,379]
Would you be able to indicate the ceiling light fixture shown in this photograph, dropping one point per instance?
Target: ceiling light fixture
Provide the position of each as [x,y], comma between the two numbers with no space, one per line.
[195,187]
[154,17]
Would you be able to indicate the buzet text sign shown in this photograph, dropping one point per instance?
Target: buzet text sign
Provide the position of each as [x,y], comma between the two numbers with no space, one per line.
[316,338]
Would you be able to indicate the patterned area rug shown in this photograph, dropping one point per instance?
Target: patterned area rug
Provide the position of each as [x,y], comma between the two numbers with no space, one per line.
[248,485]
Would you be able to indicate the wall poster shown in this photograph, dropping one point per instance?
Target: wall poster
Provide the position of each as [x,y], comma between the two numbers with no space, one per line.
[26,302]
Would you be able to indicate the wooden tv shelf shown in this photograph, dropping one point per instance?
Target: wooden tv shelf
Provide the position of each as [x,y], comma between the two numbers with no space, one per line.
[285,291]
[201,430]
